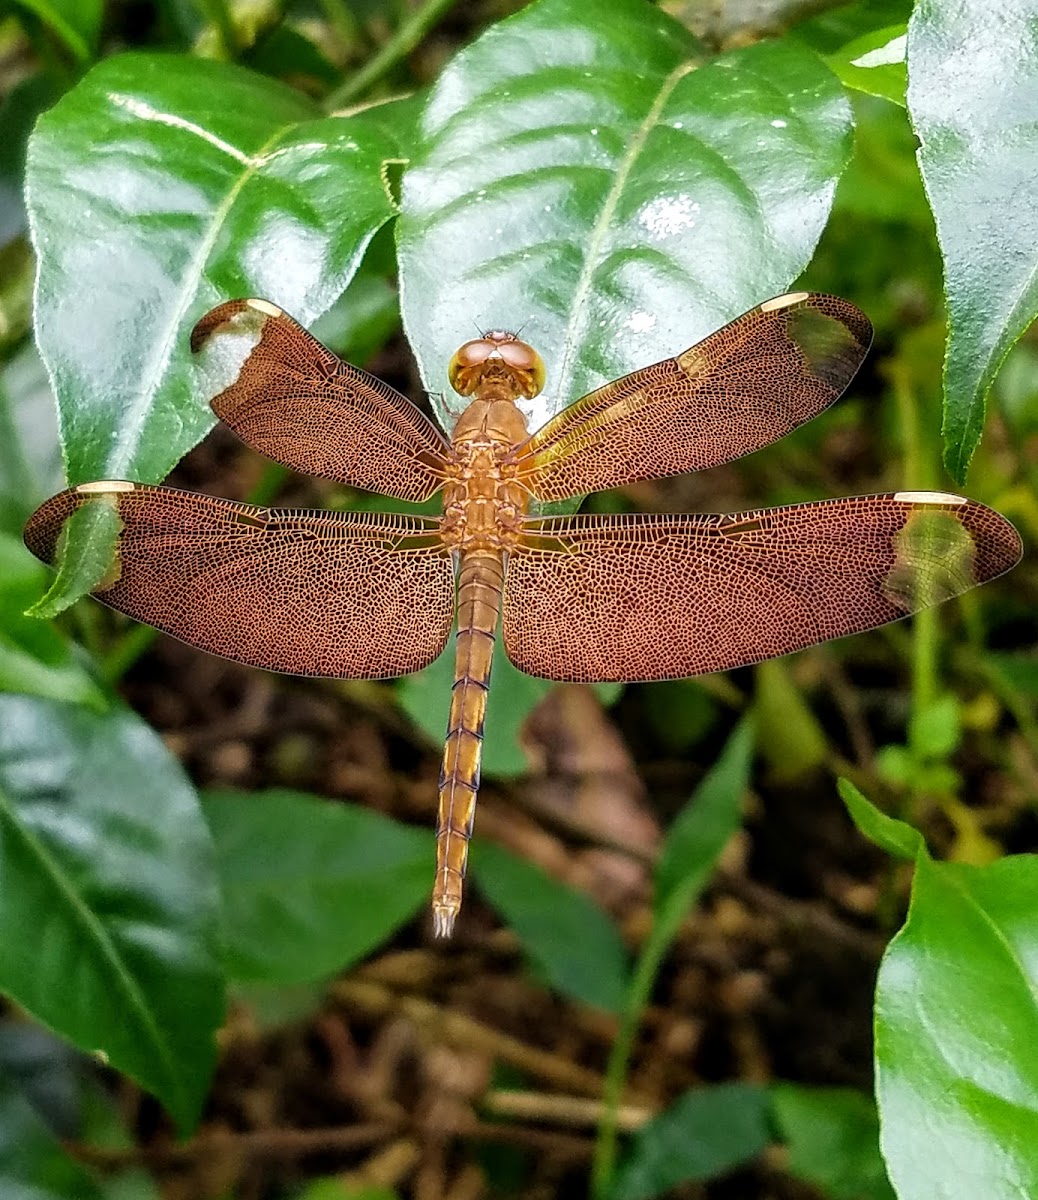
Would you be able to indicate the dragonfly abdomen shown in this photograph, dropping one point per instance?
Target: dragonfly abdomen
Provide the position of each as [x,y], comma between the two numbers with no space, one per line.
[480,585]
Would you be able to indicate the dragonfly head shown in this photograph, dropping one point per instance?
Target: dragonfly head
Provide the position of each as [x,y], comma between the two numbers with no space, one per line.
[497,355]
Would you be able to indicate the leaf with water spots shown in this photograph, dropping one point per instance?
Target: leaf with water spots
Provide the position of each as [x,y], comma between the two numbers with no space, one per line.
[157,187]
[611,190]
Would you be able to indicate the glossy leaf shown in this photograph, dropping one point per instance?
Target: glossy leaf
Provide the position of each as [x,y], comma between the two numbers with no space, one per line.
[896,837]
[835,27]
[875,63]
[34,657]
[105,858]
[604,187]
[832,1140]
[705,1133]
[571,942]
[311,886]
[973,97]
[957,1035]
[168,184]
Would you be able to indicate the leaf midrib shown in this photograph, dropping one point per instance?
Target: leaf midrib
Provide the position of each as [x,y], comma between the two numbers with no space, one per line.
[96,936]
[605,216]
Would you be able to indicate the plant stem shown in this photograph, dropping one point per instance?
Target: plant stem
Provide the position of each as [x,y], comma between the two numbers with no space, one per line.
[407,36]
[604,1161]
[925,631]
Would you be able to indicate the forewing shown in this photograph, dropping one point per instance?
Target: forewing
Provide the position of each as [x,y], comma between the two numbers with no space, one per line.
[299,404]
[351,595]
[595,598]
[741,388]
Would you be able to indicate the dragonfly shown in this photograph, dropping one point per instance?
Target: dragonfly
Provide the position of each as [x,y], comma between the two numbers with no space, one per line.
[584,597]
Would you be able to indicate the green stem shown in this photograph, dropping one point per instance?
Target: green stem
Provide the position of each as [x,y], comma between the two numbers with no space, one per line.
[918,473]
[407,36]
[604,1161]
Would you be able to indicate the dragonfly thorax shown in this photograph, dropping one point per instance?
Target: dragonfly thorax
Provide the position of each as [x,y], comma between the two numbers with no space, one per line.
[483,504]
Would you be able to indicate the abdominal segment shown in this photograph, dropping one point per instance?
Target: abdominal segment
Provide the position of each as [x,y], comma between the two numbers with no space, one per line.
[479,605]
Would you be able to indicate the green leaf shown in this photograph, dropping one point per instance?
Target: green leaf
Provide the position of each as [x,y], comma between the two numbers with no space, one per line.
[76,22]
[972,89]
[834,27]
[832,1135]
[197,181]
[34,657]
[788,733]
[705,1133]
[426,698]
[875,63]
[700,833]
[593,180]
[572,943]
[86,556]
[33,1166]
[693,843]
[896,837]
[311,886]
[109,899]
[1018,670]
[957,1035]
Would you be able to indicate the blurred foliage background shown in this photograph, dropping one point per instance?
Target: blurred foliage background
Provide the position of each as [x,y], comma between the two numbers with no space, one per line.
[664,973]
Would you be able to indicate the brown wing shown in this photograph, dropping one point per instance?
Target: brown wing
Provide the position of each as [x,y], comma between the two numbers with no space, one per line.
[350,595]
[299,404]
[595,598]
[741,388]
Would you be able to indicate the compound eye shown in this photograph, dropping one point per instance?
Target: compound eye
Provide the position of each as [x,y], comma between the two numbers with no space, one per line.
[524,358]
[472,354]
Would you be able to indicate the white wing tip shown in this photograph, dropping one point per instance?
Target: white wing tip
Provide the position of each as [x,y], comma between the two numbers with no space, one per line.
[265,307]
[943,498]
[103,487]
[786,301]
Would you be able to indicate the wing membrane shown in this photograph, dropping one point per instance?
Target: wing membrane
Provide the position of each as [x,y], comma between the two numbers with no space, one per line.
[741,388]
[350,595]
[596,598]
[299,404]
